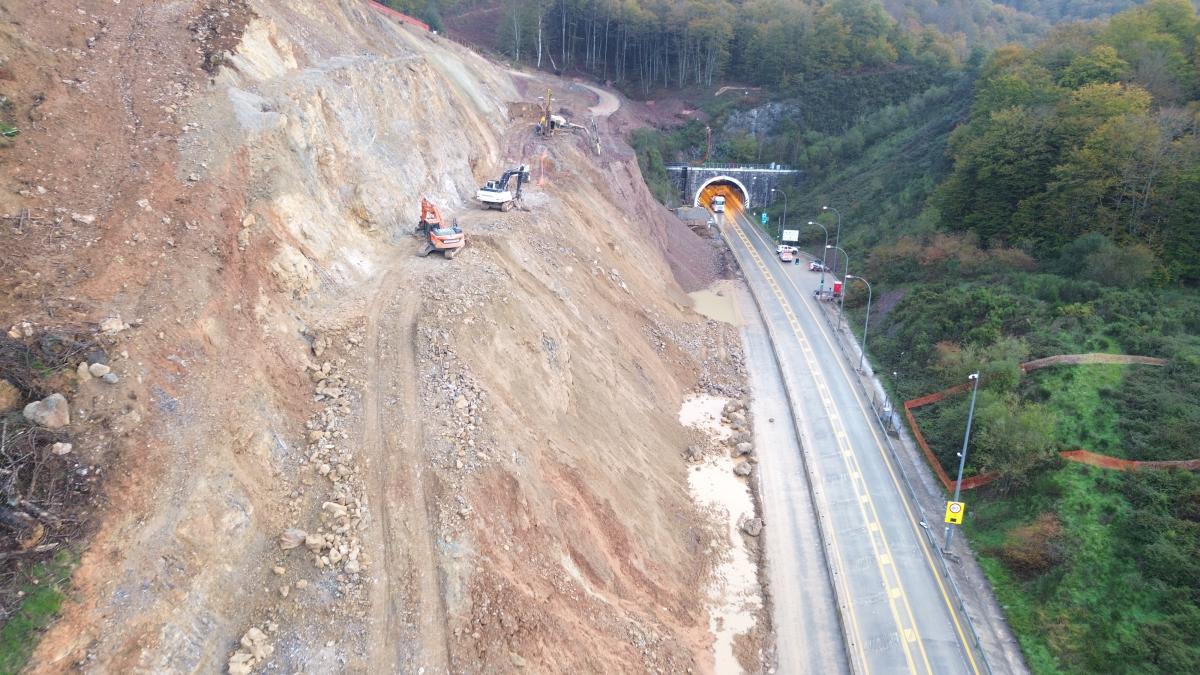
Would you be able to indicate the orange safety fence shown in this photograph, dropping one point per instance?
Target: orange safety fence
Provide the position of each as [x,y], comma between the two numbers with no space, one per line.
[968,483]
[1081,456]
[399,16]
[1119,464]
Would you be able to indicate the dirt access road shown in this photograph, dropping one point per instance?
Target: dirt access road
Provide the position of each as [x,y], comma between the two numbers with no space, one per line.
[608,102]
[408,617]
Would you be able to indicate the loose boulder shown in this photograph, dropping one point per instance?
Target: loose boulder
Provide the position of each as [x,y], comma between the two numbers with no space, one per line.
[743,469]
[292,538]
[51,412]
[752,526]
[10,396]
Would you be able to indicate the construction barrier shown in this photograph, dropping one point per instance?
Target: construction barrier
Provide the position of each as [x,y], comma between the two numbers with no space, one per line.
[1106,462]
[1094,358]
[1080,456]
[399,16]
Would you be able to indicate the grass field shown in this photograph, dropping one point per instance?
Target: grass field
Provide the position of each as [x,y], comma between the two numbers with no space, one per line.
[1084,399]
[44,591]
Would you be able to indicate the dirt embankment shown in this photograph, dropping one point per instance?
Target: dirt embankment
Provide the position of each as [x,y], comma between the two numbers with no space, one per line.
[325,453]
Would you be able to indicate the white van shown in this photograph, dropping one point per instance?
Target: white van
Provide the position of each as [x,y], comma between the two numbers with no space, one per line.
[718,204]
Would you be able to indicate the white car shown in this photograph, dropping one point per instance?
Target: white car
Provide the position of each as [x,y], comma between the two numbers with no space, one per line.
[785,247]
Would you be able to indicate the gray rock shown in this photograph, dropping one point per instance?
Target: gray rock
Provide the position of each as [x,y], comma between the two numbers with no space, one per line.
[99,370]
[752,526]
[110,378]
[743,469]
[743,449]
[51,412]
[112,324]
[292,538]
[83,371]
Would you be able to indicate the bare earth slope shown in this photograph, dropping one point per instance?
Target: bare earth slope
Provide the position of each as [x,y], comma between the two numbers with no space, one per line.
[483,455]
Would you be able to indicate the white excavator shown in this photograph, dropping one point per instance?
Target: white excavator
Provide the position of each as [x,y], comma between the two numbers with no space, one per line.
[495,193]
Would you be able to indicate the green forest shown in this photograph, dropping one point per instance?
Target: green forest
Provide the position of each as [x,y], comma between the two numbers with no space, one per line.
[1012,203]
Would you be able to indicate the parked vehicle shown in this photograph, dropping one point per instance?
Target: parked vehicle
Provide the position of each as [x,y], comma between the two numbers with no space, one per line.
[816,266]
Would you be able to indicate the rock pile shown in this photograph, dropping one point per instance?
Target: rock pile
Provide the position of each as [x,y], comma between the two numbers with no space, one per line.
[253,651]
[735,416]
[335,544]
[449,387]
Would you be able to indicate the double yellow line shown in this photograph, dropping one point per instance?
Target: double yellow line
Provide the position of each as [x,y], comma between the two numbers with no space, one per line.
[897,598]
[922,543]
[873,523]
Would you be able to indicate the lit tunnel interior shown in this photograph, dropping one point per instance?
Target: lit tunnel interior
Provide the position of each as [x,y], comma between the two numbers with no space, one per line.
[731,189]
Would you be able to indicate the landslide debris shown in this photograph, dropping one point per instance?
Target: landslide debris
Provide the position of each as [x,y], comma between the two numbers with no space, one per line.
[325,453]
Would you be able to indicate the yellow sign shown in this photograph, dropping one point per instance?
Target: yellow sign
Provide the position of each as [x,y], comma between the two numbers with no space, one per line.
[954,512]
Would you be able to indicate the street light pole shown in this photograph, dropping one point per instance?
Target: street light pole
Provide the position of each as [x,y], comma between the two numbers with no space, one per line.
[866,321]
[962,456]
[785,205]
[838,239]
[842,302]
[824,252]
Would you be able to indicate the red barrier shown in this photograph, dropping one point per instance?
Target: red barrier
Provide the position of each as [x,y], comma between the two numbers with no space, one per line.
[1081,456]
[399,16]
[968,483]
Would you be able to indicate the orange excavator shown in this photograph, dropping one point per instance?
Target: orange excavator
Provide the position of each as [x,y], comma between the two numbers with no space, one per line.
[438,236]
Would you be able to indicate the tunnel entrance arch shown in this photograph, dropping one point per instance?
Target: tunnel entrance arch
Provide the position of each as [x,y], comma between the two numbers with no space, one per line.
[729,180]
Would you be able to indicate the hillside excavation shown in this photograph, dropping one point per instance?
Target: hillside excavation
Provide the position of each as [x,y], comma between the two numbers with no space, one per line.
[312,450]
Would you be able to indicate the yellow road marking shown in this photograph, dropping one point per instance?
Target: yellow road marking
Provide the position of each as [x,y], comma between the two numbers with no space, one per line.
[866,505]
[922,542]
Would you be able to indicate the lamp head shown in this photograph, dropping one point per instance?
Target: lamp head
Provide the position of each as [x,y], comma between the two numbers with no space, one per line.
[824,208]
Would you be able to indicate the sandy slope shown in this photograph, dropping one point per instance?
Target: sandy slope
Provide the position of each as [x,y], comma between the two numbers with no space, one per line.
[487,448]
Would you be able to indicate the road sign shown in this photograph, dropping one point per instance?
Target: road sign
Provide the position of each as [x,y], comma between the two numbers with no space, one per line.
[791,235]
[954,512]
[764,217]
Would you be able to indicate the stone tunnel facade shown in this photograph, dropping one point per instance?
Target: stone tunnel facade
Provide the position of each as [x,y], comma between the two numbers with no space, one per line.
[754,181]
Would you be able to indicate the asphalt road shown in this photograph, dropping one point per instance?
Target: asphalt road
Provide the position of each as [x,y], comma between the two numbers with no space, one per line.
[895,611]
[804,608]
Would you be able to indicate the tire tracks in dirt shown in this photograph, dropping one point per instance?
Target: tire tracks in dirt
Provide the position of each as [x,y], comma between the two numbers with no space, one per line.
[408,616]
